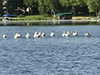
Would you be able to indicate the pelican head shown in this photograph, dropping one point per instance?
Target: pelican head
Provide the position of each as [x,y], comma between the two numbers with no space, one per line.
[87,34]
[39,33]
[43,34]
[35,33]
[68,32]
[76,32]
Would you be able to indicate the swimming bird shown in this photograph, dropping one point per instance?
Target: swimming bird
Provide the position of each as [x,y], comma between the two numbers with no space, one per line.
[4,36]
[43,34]
[17,35]
[27,35]
[66,35]
[52,33]
[37,35]
[75,33]
[87,34]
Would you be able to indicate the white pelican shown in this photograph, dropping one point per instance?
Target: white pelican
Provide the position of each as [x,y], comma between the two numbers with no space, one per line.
[4,36]
[15,36]
[52,33]
[75,33]
[43,34]
[27,35]
[18,35]
[87,34]
[66,35]
[37,35]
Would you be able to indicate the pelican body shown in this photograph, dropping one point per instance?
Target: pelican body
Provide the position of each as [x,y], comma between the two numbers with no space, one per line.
[37,35]
[17,35]
[87,34]
[27,35]
[43,34]
[66,35]
[52,33]
[75,33]
[4,36]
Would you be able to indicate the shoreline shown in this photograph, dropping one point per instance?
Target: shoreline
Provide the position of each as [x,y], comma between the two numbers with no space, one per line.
[70,21]
[85,20]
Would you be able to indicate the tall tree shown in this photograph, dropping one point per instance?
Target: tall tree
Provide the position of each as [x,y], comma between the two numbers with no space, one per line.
[32,5]
[72,3]
[13,4]
[48,6]
[93,5]
[1,7]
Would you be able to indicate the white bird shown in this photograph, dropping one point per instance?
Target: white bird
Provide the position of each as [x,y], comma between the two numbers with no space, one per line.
[66,35]
[17,35]
[87,34]
[75,33]
[27,35]
[52,33]
[37,35]
[4,36]
[43,34]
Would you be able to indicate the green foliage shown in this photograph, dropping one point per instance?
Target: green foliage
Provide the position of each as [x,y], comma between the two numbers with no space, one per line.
[93,5]
[71,2]
[1,8]
[31,17]
[13,4]
[46,7]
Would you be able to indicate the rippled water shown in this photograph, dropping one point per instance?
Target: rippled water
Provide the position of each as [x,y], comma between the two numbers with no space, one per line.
[50,55]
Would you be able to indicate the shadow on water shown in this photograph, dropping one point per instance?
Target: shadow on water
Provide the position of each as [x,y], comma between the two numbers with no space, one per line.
[48,23]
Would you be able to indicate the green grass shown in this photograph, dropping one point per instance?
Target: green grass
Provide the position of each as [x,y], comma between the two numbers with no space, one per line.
[31,17]
[40,17]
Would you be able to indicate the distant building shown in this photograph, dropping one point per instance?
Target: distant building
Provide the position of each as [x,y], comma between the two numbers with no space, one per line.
[67,15]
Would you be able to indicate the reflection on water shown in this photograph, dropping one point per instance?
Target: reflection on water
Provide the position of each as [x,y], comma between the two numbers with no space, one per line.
[49,22]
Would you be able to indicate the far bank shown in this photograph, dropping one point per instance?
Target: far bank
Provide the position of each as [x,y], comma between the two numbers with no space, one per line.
[40,17]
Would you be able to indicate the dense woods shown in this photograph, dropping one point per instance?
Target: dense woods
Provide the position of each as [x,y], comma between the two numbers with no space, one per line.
[48,7]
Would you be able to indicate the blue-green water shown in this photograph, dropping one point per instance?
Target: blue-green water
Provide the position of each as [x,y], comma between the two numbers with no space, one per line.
[47,55]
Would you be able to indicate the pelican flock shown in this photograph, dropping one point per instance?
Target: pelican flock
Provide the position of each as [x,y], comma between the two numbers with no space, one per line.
[39,34]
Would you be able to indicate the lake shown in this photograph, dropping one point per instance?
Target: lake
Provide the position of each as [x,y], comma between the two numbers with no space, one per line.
[48,55]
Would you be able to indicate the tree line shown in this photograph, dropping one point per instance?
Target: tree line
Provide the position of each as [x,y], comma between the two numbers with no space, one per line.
[47,7]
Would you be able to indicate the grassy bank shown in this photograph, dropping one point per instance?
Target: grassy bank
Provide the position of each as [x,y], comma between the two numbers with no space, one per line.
[40,17]
[31,17]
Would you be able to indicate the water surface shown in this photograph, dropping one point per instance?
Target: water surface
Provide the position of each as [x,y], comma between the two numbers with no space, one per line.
[47,55]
